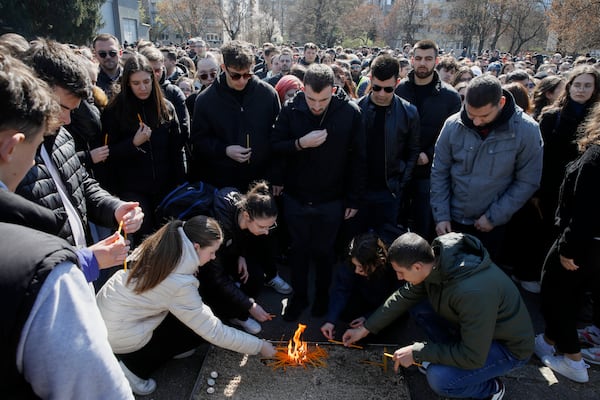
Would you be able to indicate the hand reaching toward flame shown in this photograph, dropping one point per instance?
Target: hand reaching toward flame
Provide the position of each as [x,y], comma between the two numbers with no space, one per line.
[267,350]
[327,329]
[354,335]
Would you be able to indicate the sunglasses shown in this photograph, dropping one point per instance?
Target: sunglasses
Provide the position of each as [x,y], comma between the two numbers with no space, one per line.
[112,54]
[387,89]
[212,75]
[236,76]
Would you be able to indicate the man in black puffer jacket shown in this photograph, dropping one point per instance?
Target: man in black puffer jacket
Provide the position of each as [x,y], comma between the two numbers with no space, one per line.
[58,180]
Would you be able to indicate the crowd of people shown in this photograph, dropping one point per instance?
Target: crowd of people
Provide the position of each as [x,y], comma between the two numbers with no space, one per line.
[488,161]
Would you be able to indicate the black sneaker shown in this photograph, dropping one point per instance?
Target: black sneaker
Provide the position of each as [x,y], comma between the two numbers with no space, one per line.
[293,310]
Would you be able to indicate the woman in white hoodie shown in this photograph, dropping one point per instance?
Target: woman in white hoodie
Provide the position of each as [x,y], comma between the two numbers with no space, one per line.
[153,311]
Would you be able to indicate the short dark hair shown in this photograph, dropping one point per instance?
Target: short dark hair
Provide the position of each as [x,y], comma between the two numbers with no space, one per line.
[410,248]
[483,90]
[311,45]
[318,77]
[426,45]
[26,103]
[103,37]
[448,63]
[58,65]
[517,75]
[237,54]
[385,67]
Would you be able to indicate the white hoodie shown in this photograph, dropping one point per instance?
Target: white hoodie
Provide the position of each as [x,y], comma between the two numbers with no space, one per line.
[131,318]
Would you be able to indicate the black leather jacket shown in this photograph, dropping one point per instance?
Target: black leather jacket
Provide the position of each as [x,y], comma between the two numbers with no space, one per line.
[402,134]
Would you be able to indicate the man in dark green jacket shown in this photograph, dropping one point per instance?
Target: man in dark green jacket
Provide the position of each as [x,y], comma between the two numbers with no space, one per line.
[480,325]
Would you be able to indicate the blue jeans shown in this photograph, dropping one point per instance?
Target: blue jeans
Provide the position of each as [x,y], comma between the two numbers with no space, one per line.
[456,382]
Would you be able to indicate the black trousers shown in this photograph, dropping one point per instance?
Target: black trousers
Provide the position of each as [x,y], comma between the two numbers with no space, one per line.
[313,230]
[563,294]
[170,338]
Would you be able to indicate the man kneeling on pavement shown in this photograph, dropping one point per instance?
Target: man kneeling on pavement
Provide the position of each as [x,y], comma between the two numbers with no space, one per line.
[478,325]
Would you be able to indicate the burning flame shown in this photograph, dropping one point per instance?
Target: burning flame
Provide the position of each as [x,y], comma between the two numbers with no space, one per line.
[297,353]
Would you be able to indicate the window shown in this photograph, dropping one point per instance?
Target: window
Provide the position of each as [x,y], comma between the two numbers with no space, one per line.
[130,34]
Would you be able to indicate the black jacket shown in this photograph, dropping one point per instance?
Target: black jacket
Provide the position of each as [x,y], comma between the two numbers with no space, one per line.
[108,84]
[402,135]
[559,131]
[220,120]
[18,210]
[89,199]
[336,170]
[174,94]
[86,129]
[216,277]
[443,102]
[155,167]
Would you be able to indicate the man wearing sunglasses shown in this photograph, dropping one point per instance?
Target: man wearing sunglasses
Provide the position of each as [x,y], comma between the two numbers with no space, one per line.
[392,126]
[232,123]
[108,53]
[435,100]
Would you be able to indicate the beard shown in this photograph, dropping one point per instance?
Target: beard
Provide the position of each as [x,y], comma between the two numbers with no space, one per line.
[422,74]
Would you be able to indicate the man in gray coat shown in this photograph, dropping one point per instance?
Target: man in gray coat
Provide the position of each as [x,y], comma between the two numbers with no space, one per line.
[487,163]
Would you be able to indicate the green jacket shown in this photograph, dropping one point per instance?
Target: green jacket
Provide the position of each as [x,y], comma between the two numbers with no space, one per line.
[469,290]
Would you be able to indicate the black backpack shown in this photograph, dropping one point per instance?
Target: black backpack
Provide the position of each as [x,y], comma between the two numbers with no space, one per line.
[187,201]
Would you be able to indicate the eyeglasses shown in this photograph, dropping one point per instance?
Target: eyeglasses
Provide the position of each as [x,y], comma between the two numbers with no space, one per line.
[212,75]
[356,67]
[112,53]
[266,228]
[237,76]
[387,89]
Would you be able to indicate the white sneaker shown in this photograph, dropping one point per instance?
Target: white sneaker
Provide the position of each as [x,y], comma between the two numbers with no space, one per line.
[591,355]
[589,336]
[529,286]
[279,285]
[501,390]
[563,366]
[249,325]
[542,348]
[138,385]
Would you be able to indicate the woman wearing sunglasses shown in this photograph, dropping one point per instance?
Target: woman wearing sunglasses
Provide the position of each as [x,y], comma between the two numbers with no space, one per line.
[246,261]
[144,139]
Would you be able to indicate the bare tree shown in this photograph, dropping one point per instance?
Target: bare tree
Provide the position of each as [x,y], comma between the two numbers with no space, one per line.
[188,18]
[364,28]
[575,23]
[403,22]
[232,14]
[473,20]
[526,23]
[319,21]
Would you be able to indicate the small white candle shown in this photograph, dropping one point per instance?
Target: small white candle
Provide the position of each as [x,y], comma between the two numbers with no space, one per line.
[210,381]
[210,390]
[214,375]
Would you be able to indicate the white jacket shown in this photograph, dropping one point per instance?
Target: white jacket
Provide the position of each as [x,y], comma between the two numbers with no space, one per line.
[131,318]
